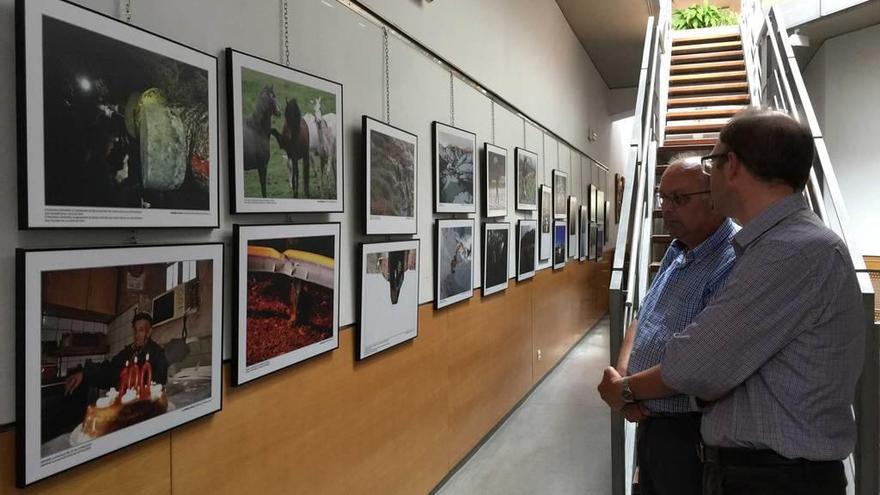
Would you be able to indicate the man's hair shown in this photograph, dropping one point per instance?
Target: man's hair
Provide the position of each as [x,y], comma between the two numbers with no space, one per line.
[142,316]
[773,146]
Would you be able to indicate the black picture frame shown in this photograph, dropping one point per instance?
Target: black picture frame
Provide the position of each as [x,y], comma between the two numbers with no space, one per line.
[545,216]
[573,228]
[526,166]
[378,219]
[45,281]
[560,242]
[494,197]
[260,146]
[464,149]
[162,167]
[526,253]
[496,257]
[584,230]
[560,194]
[389,315]
[454,262]
[283,259]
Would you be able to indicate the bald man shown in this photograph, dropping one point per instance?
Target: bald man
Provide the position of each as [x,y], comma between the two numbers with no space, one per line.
[694,267]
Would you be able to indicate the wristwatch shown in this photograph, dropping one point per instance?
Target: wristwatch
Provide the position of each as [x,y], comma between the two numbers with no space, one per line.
[626,393]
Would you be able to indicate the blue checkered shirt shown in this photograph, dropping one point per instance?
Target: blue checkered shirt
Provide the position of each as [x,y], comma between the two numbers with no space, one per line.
[685,283]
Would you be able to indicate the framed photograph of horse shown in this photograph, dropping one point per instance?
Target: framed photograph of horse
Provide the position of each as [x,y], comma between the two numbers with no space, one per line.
[455,262]
[454,169]
[117,126]
[391,178]
[285,144]
[526,180]
[115,345]
[287,287]
[389,296]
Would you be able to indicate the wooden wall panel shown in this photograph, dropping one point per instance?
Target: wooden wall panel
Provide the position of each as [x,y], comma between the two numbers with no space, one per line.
[394,423]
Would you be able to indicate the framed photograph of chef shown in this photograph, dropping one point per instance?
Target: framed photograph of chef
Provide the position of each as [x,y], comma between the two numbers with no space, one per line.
[287,287]
[117,126]
[116,345]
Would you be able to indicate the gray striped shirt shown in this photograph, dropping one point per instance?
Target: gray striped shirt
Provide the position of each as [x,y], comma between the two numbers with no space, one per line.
[780,347]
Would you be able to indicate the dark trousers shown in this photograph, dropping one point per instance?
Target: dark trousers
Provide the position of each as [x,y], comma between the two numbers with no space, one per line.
[741,477]
[669,463]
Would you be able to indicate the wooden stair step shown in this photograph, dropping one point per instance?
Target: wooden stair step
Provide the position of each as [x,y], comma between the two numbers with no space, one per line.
[731,75]
[678,145]
[708,66]
[708,113]
[702,101]
[719,46]
[661,238]
[697,89]
[707,57]
[678,40]
[696,128]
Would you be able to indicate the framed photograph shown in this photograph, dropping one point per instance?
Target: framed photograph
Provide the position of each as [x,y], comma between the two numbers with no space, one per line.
[560,239]
[389,296]
[600,207]
[284,142]
[546,216]
[573,228]
[455,262]
[287,288]
[391,178]
[607,205]
[496,256]
[584,229]
[454,187]
[495,181]
[593,244]
[526,180]
[619,186]
[594,203]
[560,194]
[117,127]
[600,243]
[115,345]
[526,252]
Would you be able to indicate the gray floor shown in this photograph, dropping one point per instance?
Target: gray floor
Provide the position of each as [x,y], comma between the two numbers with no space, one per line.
[558,441]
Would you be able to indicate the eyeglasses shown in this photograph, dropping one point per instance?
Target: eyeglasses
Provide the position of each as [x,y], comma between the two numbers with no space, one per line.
[677,199]
[711,161]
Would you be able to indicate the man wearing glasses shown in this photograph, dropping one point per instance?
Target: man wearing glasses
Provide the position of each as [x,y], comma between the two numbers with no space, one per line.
[777,353]
[693,268]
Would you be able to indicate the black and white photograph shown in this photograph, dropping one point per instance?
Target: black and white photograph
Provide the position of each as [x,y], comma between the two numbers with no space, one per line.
[560,194]
[285,148]
[545,215]
[593,242]
[560,239]
[496,255]
[389,295]
[584,229]
[495,182]
[391,178]
[287,296]
[455,262]
[117,345]
[600,207]
[454,181]
[526,253]
[526,180]
[117,126]
[573,228]
[594,203]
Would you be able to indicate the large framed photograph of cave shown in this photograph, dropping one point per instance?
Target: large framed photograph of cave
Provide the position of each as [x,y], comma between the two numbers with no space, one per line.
[526,255]
[391,178]
[115,345]
[454,182]
[545,215]
[284,142]
[389,295]
[117,126]
[526,180]
[560,194]
[496,256]
[455,262]
[287,296]
[495,181]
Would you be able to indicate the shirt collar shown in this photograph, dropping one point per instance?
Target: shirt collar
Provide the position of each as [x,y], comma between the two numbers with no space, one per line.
[722,234]
[766,220]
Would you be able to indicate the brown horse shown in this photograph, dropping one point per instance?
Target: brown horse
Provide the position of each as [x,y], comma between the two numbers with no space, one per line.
[294,140]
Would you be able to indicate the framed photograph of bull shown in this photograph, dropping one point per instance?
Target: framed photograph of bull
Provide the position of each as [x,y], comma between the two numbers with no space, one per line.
[117,126]
[114,345]
[496,256]
[454,169]
[287,306]
[391,178]
[455,262]
[389,296]
[285,144]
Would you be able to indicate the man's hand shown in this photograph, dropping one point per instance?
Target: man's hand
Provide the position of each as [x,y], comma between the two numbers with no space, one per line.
[610,389]
[635,413]
[73,381]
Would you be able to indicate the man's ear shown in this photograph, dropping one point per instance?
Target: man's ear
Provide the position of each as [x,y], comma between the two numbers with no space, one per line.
[734,166]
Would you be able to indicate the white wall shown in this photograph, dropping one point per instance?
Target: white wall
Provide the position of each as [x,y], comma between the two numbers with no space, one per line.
[521,49]
[842,80]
